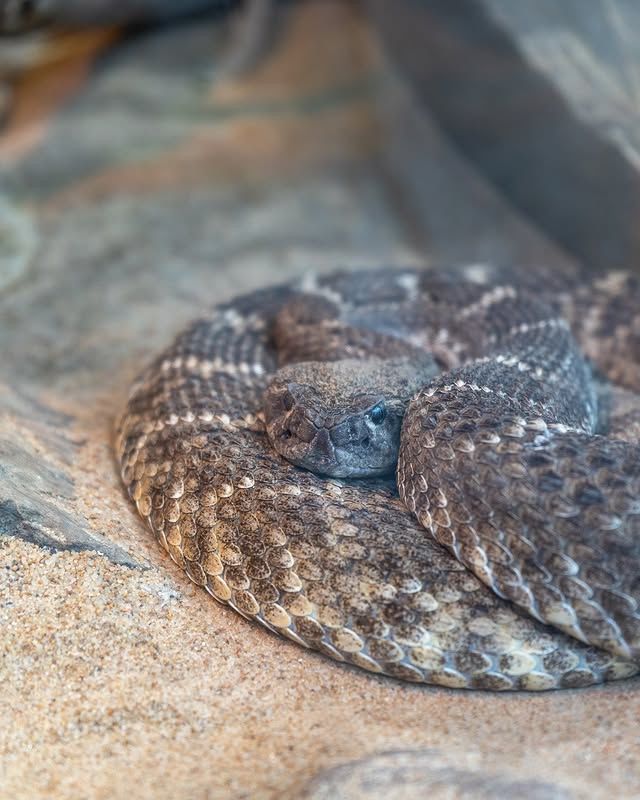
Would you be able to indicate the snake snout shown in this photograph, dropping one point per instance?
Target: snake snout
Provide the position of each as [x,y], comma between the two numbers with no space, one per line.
[323,446]
[350,432]
[301,426]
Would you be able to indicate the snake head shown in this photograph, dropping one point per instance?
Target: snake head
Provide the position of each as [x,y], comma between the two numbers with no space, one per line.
[332,420]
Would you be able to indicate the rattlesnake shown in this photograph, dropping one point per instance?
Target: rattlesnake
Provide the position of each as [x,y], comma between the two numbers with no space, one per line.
[519,470]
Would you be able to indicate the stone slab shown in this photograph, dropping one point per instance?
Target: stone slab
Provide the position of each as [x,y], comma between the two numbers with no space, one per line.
[542,98]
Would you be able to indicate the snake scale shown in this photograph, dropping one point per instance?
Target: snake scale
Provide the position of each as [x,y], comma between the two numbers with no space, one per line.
[505,552]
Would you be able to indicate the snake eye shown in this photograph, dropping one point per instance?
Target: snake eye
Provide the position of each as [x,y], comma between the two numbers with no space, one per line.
[377,414]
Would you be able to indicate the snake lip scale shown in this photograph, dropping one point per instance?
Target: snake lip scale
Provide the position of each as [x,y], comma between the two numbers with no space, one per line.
[504,554]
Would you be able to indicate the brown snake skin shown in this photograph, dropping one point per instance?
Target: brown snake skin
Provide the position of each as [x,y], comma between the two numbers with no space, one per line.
[513,457]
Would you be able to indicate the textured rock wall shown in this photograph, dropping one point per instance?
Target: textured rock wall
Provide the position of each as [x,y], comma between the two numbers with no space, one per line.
[543,99]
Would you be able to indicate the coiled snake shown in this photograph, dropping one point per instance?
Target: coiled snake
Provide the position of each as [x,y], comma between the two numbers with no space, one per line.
[506,556]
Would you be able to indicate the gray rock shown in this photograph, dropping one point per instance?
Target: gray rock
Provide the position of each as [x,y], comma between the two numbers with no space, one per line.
[420,774]
[543,98]
[17,16]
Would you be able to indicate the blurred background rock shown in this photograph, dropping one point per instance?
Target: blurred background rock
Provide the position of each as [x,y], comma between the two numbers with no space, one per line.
[544,99]
[541,99]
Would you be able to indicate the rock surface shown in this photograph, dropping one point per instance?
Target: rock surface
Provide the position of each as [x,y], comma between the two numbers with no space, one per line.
[544,99]
[133,197]
[417,774]
[17,17]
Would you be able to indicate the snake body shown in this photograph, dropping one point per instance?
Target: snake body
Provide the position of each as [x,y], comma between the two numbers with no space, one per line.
[504,555]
